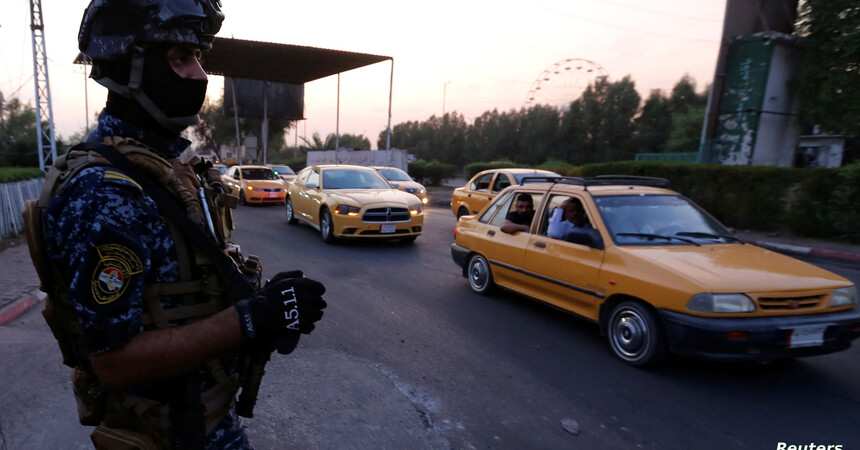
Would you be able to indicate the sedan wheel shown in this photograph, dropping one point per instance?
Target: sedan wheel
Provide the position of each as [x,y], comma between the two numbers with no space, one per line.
[291,215]
[480,277]
[635,335]
[242,200]
[326,226]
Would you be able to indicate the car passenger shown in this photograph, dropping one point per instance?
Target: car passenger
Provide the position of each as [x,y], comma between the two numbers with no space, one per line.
[569,216]
[521,218]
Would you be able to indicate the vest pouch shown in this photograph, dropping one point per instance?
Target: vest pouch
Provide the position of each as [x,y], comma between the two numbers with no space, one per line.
[106,438]
[90,397]
[61,333]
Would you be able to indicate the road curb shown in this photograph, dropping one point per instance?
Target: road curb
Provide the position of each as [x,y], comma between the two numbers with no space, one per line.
[20,306]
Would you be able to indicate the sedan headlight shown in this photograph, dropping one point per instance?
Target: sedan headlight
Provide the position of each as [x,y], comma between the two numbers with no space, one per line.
[721,303]
[843,296]
[416,208]
[347,210]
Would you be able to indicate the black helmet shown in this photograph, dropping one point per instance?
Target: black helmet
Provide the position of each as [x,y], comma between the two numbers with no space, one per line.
[116,34]
[111,28]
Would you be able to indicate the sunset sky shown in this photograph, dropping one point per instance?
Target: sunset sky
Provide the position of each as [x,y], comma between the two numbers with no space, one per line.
[478,55]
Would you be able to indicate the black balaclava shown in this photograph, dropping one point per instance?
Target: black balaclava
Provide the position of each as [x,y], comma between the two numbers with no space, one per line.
[173,95]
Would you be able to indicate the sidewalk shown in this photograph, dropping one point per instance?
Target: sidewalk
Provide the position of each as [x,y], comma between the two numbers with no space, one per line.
[19,284]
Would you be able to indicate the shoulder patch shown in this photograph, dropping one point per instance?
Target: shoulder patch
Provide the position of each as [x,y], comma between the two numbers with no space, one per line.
[116,265]
[120,178]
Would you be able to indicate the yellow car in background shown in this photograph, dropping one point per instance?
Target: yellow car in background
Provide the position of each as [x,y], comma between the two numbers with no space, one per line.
[401,180]
[657,273]
[255,184]
[346,201]
[484,186]
[283,171]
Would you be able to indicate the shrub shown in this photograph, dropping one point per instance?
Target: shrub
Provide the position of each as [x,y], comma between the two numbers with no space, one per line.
[430,172]
[14,174]
[472,169]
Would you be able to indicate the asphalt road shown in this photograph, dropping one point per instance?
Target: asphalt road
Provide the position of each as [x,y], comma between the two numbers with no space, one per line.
[408,357]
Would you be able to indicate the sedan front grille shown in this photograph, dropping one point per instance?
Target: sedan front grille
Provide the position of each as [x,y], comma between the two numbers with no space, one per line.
[387,215]
[789,303]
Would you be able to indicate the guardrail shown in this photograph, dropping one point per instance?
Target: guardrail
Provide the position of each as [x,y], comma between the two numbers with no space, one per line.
[12,198]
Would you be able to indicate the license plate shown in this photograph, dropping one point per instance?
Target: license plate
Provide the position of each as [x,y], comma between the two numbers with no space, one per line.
[273,194]
[387,228]
[810,336]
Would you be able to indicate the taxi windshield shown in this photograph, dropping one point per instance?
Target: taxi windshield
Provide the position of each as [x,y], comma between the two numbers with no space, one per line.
[659,220]
[392,174]
[259,174]
[353,179]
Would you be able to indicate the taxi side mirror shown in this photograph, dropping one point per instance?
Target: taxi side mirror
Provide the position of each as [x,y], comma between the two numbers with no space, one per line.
[589,238]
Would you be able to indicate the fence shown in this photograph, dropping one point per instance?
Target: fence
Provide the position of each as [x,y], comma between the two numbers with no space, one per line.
[12,197]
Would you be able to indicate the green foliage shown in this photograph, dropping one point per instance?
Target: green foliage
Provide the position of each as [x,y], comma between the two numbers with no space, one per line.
[830,72]
[430,172]
[686,130]
[556,165]
[18,135]
[844,205]
[15,174]
[216,129]
[471,169]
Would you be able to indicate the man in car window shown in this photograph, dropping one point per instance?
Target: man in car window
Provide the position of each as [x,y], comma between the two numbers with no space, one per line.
[569,216]
[521,218]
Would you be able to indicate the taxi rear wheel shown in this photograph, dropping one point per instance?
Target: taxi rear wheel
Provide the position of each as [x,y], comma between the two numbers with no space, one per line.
[291,215]
[480,277]
[636,335]
[326,226]
[242,200]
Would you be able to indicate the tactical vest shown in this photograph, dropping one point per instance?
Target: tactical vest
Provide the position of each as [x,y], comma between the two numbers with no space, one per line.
[200,288]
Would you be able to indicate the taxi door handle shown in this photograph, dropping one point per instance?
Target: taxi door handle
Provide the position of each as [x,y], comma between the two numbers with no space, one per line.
[540,244]
[491,233]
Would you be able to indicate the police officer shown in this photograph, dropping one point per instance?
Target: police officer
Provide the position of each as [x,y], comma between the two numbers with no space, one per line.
[148,326]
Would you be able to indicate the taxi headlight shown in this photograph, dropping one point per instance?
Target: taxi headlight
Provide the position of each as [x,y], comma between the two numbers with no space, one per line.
[416,208]
[720,303]
[424,200]
[843,296]
[347,210]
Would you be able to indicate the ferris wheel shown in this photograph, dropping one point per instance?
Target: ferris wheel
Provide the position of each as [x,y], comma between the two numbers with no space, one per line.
[563,82]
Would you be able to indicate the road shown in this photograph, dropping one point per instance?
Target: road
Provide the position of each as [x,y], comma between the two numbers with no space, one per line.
[408,357]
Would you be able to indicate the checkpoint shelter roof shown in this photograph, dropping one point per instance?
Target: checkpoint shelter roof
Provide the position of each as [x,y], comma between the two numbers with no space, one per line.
[294,64]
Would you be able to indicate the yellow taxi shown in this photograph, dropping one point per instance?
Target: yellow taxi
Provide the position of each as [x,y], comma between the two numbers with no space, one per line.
[346,201]
[401,180]
[484,186]
[255,184]
[656,272]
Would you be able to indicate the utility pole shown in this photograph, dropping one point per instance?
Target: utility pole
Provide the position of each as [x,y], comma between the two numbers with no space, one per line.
[47,146]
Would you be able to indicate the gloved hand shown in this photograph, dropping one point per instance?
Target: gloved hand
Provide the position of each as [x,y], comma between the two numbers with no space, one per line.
[288,304]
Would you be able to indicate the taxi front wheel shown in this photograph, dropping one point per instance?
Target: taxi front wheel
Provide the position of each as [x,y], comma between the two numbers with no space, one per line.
[291,215]
[480,277]
[327,227]
[636,335]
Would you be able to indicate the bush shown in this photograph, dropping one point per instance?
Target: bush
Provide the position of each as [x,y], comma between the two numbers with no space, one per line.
[298,163]
[15,174]
[844,206]
[430,172]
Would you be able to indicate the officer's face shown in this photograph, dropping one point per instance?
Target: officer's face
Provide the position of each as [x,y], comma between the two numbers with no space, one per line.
[185,61]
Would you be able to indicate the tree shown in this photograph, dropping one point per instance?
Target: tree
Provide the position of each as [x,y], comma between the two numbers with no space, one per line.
[686,130]
[599,125]
[216,128]
[539,134]
[830,72]
[18,145]
[654,124]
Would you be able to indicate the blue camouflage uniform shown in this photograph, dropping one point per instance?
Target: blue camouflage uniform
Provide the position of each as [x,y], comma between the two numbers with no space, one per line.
[110,240]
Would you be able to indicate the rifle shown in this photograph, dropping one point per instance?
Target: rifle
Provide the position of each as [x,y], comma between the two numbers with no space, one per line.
[254,356]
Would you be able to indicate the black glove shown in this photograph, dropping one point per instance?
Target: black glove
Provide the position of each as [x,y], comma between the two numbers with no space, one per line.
[288,304]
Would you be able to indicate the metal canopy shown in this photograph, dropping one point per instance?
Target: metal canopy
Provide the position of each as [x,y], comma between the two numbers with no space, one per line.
[267,61]
[283,63]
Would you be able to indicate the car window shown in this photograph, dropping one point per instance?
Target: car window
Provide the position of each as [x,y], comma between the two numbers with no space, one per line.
[394,174]
[502,181]
[303,175]
[554,202]
[314,177]
[259,174]
[482,183]
[510,206]
[353,179]
[658,220]
[494,206]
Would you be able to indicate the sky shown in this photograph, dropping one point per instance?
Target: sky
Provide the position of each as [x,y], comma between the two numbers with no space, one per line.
[463,56]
